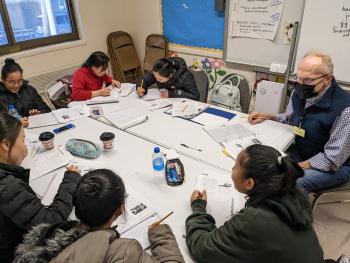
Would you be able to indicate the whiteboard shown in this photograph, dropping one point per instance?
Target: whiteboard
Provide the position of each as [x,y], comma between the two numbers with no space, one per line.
[319,19]
[261,52]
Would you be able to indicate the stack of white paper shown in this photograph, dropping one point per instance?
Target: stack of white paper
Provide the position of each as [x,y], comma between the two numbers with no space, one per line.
[139,214]
[124,118]
[228,131]
[158,104]
[152,94]
[70,114]
[184,109]
[63,115]
[40,120]
[223,199]
[271,133]
[113,97]
[126,89]
[49,161]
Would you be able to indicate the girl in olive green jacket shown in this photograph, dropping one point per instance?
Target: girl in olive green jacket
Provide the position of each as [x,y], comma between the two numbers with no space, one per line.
[275,226]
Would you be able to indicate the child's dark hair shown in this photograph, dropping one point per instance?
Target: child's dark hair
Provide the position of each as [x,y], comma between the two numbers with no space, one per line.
[273,175]
[10,67]
[97,197]
[9,129]
[97,59]
[164,67]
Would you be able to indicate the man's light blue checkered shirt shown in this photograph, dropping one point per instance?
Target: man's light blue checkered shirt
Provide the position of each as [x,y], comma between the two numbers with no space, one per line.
[337,149]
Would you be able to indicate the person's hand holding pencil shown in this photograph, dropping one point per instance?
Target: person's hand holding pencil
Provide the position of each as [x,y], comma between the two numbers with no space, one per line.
[140,90]
[159,221]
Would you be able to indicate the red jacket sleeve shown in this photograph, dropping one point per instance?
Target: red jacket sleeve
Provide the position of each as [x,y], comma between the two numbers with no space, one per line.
[108,79]
[78,88]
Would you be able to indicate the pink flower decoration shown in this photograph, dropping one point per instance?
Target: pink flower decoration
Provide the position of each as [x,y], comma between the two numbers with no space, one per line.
[216,63]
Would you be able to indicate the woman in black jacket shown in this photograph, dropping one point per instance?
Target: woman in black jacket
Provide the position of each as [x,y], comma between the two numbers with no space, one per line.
[275,225]
[172,77]
[20,208]
[16,91]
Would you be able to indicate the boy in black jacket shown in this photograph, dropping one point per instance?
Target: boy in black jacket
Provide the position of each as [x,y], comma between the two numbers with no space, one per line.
[172,76]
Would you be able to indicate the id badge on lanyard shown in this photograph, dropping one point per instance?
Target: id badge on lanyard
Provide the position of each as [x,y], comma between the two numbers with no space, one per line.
[297,130]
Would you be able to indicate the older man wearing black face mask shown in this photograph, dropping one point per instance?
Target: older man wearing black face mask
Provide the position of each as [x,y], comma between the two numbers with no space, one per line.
[319,110]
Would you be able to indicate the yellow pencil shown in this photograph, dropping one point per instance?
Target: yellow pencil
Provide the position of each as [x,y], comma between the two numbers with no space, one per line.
[224,151]
[161,220]
[184,108]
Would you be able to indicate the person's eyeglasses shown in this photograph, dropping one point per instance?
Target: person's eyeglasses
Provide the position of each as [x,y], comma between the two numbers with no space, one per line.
[309,81]
[14,83]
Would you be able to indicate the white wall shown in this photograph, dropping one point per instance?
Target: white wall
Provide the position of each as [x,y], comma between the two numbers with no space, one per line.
[98,19]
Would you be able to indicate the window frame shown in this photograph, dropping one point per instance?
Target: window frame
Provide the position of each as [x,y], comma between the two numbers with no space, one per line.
[14,46]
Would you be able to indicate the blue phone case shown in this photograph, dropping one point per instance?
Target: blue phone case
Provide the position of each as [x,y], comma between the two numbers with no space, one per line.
[64,128]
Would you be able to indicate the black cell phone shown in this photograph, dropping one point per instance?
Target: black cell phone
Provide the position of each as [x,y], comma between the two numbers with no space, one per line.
[174,172]
[64,128]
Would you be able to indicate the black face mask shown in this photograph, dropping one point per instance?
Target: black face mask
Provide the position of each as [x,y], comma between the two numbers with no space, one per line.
[305,91]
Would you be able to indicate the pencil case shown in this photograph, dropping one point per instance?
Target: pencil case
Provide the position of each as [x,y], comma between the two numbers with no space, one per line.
[174,172]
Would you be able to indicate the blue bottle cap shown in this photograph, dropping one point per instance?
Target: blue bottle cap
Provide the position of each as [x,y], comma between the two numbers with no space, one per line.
[156,149]
[11,106]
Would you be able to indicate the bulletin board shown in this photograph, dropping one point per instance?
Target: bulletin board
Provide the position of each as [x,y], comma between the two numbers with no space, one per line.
[193,23]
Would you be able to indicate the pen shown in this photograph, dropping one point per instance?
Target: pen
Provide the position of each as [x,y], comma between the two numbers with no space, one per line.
[184,108]
[161,220]
[189,147]
[142,84]
[225,185]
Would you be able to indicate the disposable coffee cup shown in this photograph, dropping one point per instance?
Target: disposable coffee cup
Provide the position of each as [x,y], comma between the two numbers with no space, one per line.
[47,139]
[107,139]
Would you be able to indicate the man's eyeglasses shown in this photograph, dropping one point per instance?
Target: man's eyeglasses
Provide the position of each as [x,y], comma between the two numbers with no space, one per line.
[14,83]
[309,81]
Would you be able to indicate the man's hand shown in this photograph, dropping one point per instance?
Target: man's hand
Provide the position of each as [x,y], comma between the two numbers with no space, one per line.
[305,165]
[164,94]
[256,117]
[115,83]
[140,91]
[34,112]
[199,195]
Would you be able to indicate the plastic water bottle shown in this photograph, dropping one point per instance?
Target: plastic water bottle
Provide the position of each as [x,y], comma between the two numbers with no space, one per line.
[13,112]
[158,165]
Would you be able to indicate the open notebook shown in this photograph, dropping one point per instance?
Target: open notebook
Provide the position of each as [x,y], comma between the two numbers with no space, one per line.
[124,118]
[238,134]
[112,98]
[63,115]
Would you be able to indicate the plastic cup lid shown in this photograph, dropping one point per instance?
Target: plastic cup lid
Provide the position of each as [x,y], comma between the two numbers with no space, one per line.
[107,136]
[46,136]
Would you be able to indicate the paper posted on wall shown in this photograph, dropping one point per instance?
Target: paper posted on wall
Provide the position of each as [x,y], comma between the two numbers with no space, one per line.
[256,19]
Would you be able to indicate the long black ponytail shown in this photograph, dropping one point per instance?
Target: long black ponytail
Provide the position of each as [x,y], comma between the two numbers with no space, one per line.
[274,175]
